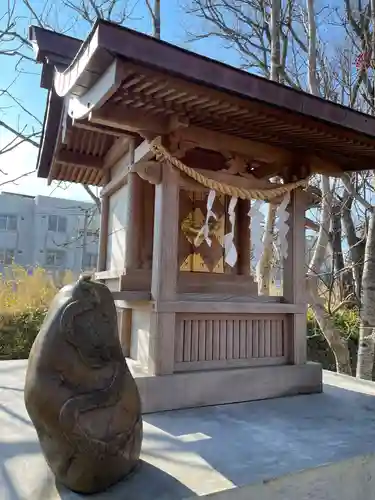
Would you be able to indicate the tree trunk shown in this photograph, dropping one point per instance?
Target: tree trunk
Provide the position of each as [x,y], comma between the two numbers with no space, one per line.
[275,39]
[265,263]
[156,20]
[337,343]
[356,246]
[323,235]
[341,276]
[366,346]
[313,81]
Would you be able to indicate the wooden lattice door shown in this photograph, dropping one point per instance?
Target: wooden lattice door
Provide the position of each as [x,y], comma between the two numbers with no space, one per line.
[201,258]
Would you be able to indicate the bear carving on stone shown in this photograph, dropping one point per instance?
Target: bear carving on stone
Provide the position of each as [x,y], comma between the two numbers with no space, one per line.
[79,392]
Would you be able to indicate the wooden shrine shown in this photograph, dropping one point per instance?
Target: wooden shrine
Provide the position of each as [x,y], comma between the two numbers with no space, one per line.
[180,145]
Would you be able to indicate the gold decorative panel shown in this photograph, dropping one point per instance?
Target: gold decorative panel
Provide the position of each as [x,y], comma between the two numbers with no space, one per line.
[193,210]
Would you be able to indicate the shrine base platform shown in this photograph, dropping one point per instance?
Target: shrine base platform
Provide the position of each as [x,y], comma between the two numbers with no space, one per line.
[318,446]
[215,387]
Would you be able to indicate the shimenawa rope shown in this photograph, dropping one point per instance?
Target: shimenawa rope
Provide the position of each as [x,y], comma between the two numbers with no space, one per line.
[162,153]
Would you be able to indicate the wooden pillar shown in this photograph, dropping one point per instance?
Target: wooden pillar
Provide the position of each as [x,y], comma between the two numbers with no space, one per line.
[294,276]
[132,253]
[148,203]
[103,231]
[133,217]
[133,222]
[164,271]
[124,320]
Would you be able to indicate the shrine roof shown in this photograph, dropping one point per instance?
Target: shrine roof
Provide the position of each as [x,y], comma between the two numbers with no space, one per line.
[118,76]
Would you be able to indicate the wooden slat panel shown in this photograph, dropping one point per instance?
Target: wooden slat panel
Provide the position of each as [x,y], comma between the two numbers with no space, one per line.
[249,339]
[202,340]
[242,339]
[209,340]
[179,343]
[236,339]
[267,338]
[194,340]
[279,337]
[261,332]
[216,340]
[223,339]
[229,363]
[229,353]
[187,340]
[256,338]
[285,341]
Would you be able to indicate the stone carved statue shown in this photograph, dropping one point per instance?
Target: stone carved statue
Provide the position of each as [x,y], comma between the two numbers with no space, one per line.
[80,394]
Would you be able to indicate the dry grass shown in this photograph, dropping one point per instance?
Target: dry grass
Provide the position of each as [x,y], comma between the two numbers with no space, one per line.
[23,290]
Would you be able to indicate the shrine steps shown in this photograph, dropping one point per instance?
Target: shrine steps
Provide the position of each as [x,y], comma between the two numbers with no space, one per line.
[215,387]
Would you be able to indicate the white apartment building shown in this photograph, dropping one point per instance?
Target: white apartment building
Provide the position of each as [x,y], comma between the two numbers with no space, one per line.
[55,233]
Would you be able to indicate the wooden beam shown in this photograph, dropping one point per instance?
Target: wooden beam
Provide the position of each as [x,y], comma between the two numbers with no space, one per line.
[105,86]
[143,152]
[255,150]
[294,282]
[137,121]
[119,178]
[226,307]
[150,171]
[102,129]
[133,121]
[164,272]
[225,143]
[119,148]
[79,159]
[133,217]
[325,167]
[129,120]
[103,233]
[145,168]
[246,182]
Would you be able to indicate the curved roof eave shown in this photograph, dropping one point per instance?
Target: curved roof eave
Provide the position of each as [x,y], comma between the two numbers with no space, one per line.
[53,48]
[67,79]
[108,41]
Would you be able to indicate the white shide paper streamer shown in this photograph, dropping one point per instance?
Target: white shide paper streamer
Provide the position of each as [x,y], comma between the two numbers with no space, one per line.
[257,231]
[229,245]
[205,228]
[282,226]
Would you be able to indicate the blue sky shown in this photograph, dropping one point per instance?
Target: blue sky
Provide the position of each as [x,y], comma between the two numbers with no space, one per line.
[175,26]
[27,89]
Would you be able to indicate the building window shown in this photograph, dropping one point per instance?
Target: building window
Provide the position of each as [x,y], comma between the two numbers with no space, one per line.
[55,258]
[90,260]
[57,224]
[8,223]
[6,256]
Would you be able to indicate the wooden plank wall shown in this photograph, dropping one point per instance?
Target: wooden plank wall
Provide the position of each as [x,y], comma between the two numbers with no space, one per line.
[207,341]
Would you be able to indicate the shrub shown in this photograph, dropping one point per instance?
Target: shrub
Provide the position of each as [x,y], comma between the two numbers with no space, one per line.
[18,332]
[346,320]
[25,295]
[24,290]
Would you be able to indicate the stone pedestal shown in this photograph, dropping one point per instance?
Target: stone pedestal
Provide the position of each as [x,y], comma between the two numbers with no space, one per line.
[215,387]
